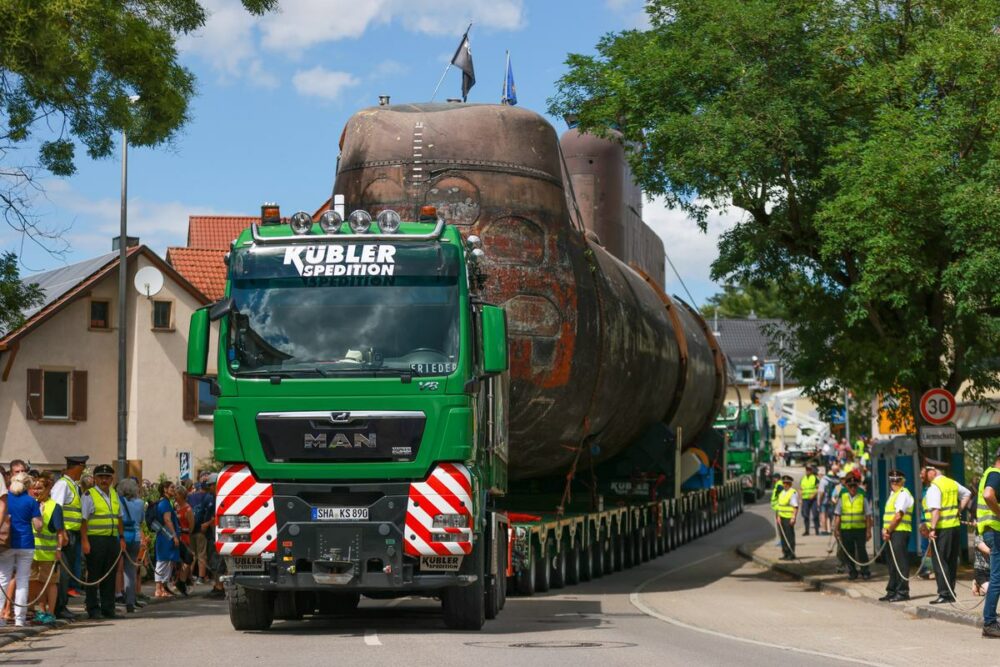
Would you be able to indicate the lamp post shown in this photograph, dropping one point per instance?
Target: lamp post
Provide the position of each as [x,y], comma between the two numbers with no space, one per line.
[122,309]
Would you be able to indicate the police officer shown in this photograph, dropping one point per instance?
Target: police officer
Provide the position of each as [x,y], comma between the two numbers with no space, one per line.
[788,507]
[852,524]
[103,538]
[776,489]
[810,489]
[66,492]
[943,502]
[897,525]
[988,525]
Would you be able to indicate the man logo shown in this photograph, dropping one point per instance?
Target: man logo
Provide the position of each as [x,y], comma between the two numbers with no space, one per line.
[340,417]
[339,441]
[315,441]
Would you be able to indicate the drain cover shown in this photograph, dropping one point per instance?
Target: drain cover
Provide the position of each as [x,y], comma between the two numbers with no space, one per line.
[564,643]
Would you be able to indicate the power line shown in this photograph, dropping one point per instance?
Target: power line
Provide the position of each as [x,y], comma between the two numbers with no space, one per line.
[676,273]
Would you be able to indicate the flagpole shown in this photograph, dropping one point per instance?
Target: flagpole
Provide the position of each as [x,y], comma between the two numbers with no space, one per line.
[503,88]
[445,73]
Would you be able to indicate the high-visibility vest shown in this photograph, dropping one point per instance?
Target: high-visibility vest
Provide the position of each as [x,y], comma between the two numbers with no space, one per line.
[105,518]
[949,502]
[906,525]
[810,487]
[852,511]
[785,508]
[865,459]
[72,514]
[848,467]
[985,518]
[775,492]
[859,448]
[46,542]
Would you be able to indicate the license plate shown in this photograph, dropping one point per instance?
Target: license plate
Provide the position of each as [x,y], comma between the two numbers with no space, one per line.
[340,513]
[248,563]
[440,563]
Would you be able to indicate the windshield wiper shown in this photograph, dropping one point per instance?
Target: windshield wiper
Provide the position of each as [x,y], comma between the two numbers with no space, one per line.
[405,375]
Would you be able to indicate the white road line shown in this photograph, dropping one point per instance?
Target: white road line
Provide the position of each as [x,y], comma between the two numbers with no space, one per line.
[636,601]
[371,638]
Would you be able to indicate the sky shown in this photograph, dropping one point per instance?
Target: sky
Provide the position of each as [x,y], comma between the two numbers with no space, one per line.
[274,92]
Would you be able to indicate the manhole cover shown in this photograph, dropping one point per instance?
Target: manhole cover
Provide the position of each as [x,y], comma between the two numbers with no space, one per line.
[566,643]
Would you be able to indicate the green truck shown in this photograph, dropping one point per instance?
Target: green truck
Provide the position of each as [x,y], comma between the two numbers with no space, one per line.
[749,455]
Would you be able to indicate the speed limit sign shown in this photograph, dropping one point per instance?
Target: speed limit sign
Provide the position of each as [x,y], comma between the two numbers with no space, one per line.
[937,406]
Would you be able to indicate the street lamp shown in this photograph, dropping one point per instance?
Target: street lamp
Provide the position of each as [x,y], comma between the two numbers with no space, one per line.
[122,310]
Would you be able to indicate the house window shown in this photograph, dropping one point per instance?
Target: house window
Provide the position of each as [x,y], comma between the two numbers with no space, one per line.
[746,374]
[206,402]
[100,314]
[163,315]
[55,394]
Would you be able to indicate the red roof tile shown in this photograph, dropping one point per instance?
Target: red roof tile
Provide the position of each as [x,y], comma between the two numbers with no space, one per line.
[204,268]
[216,231]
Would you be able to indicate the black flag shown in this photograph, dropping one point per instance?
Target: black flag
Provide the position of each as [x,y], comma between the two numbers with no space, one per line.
[463,61]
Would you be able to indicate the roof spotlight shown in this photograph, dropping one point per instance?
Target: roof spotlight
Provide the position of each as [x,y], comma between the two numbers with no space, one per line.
[473,241]
[388,221]
[301,223]
[330,222]
[360,221]
[478,253]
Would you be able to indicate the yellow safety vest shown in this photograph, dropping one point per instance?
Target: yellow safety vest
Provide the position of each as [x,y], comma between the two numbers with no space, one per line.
[46,542]
[949,502]
[848,467]
[906,525]
[810,487]
[105,518]
[775,492]
[985,518]
[72,514]
[785,508]
[852,511]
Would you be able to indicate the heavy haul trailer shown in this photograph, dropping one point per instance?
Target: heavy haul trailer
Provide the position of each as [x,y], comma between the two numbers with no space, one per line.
[363,408]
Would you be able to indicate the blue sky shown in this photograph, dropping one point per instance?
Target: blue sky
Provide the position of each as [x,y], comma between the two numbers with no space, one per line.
[274,94]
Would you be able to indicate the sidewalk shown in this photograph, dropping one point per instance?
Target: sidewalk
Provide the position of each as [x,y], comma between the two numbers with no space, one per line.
[817,568]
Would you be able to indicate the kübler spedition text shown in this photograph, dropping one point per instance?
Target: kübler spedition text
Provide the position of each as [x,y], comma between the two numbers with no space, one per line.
[342,260]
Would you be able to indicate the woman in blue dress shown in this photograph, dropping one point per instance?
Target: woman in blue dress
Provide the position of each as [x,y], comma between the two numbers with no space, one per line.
[167,543]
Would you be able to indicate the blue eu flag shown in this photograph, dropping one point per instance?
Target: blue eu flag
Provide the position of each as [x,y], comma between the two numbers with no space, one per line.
[509,89]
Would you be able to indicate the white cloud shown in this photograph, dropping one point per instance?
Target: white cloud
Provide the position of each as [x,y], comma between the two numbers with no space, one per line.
[322,83]
[691,250]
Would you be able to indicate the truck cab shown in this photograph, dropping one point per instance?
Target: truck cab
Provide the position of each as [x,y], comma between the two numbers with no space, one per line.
[361,417]
[748,449]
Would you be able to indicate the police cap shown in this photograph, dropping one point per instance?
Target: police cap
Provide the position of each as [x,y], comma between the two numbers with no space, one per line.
[104,469]
[76,461]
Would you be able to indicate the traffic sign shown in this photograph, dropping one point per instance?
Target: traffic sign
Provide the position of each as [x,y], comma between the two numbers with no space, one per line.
[937,406]
[938,436]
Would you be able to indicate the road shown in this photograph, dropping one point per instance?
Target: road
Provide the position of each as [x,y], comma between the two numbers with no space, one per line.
[701,604]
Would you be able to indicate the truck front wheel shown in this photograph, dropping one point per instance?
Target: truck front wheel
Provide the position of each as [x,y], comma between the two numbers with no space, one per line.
[465,606]
[250,609]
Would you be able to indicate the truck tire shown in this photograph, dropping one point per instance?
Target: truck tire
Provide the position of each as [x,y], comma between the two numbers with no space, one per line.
[250,609]
[337,603]
[618,544]
[587,561]
[287,606]
[558,562]
[496,589]
[645,553]
[524,578]
[543,568]
[465,606]
[573,561]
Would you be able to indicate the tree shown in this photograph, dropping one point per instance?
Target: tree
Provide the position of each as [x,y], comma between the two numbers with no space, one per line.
[744,299]
[15,296]
[861,137]
[67,71]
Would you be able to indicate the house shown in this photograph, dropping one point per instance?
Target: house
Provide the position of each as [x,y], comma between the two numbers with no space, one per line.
[59,371]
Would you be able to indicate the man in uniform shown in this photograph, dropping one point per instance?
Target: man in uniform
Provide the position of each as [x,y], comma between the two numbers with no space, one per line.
[103,538]
[852,524]
[66,492]
[810,489]
[988,525]
[943,503]
[897,525]
[788,507]
[776,489]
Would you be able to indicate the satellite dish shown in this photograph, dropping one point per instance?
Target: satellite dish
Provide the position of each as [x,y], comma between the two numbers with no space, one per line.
[148,281]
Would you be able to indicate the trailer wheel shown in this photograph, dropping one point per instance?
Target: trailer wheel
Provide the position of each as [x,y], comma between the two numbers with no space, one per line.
[618,544]
[496,592]
[645,551]
[250,609]
[543,568]
[524,578]
[289,606]
[337,603]
[559,565]
[572,562]
[465,606]
[587,555]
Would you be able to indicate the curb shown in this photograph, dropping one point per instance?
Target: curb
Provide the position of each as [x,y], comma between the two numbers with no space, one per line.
[816,583]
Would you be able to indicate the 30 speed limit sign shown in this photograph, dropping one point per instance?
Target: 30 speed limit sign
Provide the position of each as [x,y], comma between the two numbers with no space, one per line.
[937,406]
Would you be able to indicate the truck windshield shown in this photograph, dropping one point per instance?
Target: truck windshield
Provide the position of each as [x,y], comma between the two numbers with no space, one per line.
[739,440]
[344,309]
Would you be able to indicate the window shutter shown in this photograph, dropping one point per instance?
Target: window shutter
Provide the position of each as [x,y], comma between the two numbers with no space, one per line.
[34,402]
[190,398]
[78,408]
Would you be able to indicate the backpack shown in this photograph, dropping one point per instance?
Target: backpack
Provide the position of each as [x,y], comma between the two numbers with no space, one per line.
[154,521]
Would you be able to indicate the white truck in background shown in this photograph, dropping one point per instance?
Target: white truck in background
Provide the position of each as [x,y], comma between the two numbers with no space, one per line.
[808,431]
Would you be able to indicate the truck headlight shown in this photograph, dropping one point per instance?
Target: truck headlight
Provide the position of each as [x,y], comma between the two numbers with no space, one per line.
[301,223]
[234,521]
[450,521]
[330,222]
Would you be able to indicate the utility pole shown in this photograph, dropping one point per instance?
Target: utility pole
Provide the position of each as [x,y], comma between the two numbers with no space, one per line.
[847,416]
[123,311]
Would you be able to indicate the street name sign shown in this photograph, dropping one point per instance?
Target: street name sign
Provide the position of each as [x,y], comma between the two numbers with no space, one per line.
[938,436]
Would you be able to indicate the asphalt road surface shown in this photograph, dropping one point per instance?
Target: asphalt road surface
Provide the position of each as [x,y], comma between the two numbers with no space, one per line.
[700,604]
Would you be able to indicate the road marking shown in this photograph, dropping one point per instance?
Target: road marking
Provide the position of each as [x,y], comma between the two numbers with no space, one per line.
[371,638]
[635,599]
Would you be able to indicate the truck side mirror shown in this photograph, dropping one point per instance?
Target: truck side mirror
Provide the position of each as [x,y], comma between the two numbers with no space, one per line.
[198,339]
[494,340]
[221,308]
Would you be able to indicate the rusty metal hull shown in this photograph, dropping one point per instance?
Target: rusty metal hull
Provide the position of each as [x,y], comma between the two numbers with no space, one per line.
[595,354]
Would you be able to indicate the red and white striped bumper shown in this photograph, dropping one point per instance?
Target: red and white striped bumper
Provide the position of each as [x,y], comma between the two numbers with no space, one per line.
[240,494]
[447,490]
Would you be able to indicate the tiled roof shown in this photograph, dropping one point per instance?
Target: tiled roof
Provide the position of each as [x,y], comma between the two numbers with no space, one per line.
[743,338]
[216,231]
[205,268]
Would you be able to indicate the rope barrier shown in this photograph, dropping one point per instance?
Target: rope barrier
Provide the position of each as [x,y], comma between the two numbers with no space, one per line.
[45,590]
[69,570]
[954,598]
[851,558]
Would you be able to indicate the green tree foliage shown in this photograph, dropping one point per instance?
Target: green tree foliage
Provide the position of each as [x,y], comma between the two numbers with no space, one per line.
[15,296]
[742,300]
[862,139]
[67,71]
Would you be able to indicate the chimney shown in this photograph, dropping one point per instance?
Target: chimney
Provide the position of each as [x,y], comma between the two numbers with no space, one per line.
[132,241]
[383,100]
